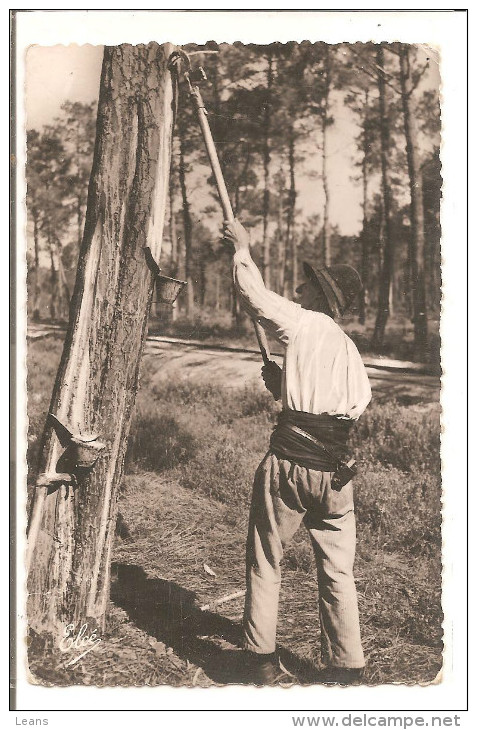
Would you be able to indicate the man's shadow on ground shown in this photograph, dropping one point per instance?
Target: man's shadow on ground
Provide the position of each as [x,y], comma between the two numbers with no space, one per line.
[171,614]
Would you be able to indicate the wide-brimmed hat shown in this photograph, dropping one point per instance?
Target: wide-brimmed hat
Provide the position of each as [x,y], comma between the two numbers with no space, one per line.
[339,283]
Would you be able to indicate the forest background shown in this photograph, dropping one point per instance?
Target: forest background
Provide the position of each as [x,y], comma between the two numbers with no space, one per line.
[330,154]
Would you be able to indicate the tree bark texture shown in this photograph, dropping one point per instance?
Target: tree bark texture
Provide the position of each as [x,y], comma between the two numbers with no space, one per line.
[97,379]
[388,247]
[417,241]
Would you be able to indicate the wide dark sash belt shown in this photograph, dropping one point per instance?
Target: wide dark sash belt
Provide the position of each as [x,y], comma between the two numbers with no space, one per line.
[314,441]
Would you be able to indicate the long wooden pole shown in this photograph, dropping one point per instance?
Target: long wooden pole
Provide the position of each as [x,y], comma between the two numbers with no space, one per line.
[223,194]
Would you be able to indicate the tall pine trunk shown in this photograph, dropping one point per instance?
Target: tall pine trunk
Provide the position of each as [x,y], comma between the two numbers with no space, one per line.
[54,304]
[173,230]
[72,524]
[36,271]
[324,133]
[187,224]
[266,173]
[79,212]
[364,232]
[62,282]
[291,244]
[417,241]
[281,239]
[388,247]
[238,316]
[202,279]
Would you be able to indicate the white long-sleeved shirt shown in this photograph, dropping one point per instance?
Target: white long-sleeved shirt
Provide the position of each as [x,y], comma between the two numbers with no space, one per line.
[322,369]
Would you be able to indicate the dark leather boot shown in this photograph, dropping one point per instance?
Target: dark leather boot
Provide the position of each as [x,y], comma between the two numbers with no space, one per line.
[341,675]
[264,670]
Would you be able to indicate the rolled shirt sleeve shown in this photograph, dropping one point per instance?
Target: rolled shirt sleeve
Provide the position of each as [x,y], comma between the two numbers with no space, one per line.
[278,315]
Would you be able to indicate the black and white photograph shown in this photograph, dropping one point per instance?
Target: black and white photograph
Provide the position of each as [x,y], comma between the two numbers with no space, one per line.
[233,296]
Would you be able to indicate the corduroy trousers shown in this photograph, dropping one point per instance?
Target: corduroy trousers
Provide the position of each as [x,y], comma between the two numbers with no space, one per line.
[284,494]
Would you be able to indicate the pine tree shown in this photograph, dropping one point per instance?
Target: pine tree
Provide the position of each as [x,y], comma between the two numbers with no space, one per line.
[72,520]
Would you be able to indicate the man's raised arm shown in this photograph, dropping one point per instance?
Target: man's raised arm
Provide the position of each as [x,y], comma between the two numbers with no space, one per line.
[276,314]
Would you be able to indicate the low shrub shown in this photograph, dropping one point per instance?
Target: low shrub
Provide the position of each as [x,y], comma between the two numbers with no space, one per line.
[158,442]
[398,510]
[398,436]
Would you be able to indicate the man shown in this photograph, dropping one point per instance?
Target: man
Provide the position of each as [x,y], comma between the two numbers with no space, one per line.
[324,389]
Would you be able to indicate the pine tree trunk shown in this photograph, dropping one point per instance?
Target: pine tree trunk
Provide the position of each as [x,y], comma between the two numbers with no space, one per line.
[363,300]
[202,279]
[433,275]
[53,286]
[281,240]
[290,236]
[71,528]
[324,131]
[217,293]
[173,231]
[187,223]
[172,224]
[388,252]
[238,316]
[79,220]
[266,175]
[36,272]
[62,283]
[417,261]
[235,306]
[79,212]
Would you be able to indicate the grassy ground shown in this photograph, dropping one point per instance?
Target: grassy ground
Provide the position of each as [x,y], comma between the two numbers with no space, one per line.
[192,454]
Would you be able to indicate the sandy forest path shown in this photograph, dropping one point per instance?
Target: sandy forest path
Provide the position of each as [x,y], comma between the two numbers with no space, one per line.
[232,367]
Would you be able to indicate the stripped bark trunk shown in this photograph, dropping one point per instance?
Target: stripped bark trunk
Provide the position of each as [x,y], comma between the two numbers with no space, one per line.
[417,240]
[388,252]
[97,379]
[187,224]
[324,132]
